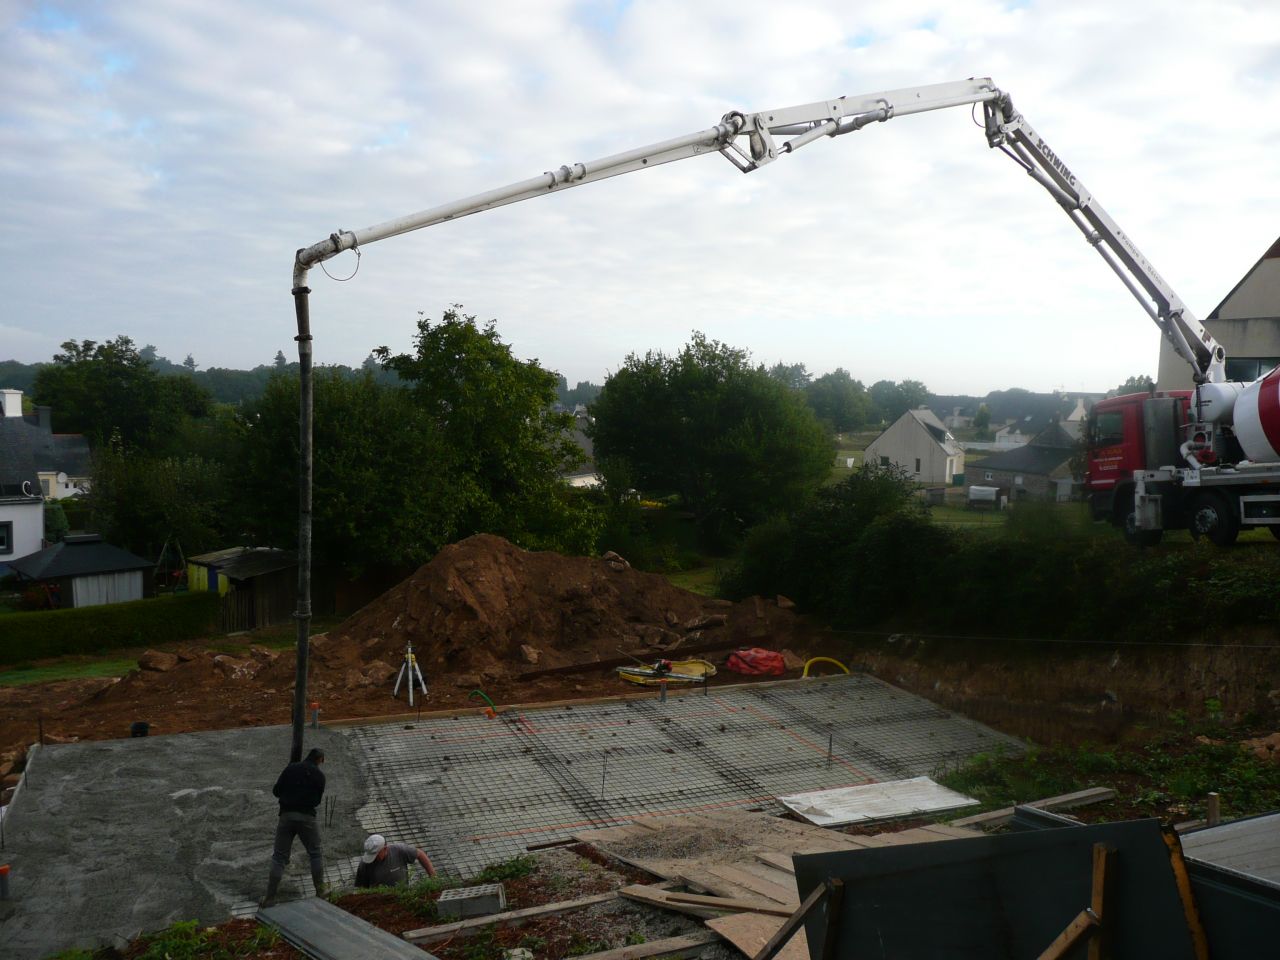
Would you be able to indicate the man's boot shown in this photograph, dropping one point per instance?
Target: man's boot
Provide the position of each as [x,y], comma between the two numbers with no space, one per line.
[273,886]
[317,877]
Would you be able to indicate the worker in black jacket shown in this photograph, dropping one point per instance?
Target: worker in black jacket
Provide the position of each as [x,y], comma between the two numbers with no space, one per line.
[300,788]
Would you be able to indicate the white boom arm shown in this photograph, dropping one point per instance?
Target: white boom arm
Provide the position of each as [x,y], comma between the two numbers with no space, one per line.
[803,124]
[1006,129]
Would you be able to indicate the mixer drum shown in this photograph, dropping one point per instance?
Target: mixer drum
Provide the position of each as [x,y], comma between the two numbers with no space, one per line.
[1257,418]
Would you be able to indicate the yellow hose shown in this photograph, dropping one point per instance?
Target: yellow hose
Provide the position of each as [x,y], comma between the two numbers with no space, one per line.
[810,663]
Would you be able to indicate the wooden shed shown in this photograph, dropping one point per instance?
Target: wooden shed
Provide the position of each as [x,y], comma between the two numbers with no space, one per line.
[84,571]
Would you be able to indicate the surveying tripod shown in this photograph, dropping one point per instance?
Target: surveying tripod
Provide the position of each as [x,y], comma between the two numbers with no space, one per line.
[410,671]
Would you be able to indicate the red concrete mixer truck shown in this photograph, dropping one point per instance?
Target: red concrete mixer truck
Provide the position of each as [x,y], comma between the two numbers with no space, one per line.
[1207,460]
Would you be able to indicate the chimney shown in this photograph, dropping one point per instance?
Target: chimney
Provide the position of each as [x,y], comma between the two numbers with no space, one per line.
[12,402]
[46,418]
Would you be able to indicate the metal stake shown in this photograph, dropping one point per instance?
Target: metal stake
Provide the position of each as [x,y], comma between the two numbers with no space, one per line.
[830,741]
[603,772]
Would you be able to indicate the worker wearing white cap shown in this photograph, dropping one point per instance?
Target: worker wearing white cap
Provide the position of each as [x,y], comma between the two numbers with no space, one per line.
[387,864]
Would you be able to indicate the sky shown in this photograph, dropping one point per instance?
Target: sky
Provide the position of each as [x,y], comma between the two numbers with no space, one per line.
[160,162]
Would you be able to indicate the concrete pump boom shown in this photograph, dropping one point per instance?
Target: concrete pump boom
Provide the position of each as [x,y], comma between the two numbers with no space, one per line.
[1006,129]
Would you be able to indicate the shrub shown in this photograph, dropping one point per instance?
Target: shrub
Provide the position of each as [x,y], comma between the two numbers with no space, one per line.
[52,633]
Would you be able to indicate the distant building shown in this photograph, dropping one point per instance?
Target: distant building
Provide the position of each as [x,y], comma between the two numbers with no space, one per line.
[919,444]
[61,460]
[1037,470]
[84,571]
[1246,323]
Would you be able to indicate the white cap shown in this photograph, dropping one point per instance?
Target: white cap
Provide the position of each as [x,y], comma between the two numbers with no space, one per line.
[372,847]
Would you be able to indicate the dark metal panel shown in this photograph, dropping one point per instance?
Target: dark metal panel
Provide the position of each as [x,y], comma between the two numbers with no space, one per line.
[325,932]
[1005,896]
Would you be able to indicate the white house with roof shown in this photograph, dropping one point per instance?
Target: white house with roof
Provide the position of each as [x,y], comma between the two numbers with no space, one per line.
[919,444]
[21,503]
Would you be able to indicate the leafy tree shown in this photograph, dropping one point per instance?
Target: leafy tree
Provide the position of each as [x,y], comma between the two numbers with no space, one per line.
[793,375]
[735,443]
[982,419]
[507,449]
[585,392]
[108,389]
[189,364]
[839,400]
[891,400]
[1137,384]
[56,526]
[384,492]
[280,362]
[139,501]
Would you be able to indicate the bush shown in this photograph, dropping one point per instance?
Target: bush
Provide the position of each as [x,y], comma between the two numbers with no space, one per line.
[52,633]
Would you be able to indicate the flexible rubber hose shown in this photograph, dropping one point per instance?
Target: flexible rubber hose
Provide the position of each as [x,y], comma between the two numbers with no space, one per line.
[811,662]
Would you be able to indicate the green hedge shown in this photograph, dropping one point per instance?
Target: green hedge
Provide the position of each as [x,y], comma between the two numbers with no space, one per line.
[139,623]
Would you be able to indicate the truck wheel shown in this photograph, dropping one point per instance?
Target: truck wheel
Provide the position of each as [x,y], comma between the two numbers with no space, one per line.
[1129,524]
[1212,517]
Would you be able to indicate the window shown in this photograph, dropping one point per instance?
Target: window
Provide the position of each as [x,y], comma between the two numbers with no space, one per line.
[987,475]
[1249,368]
[1108,429]
[47,487]
[6,537]
[1017,481]
[884,461]
[917,464]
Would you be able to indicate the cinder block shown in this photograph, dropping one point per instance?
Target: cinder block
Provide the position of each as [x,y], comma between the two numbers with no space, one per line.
[472,901]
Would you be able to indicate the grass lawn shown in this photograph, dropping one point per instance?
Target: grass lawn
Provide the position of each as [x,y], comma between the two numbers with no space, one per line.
[278,637]
[701,580]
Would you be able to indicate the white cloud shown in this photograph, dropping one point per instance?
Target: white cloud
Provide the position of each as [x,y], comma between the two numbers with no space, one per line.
[160,162]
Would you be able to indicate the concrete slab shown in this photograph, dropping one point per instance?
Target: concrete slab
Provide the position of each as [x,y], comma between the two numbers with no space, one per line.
[112,838]
[115,837]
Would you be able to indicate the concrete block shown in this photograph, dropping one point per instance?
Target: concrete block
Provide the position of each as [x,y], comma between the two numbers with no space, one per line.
[472,901]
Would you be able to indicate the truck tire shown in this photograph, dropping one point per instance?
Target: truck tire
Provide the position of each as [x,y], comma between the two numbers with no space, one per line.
[1212,517]
[1128,523]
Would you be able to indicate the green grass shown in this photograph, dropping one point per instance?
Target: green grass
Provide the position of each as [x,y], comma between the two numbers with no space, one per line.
[701,580]
[22,674]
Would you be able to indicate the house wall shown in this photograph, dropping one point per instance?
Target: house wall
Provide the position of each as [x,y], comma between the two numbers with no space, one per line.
[101,588]
[26,530]
[1021,486]
[904,442]
[55,489]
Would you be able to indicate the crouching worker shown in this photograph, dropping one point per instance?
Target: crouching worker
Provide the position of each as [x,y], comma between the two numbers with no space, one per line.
[300,789]
[387,864]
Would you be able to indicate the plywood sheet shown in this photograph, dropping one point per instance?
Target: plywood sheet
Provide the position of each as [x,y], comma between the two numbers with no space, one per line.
[749,932]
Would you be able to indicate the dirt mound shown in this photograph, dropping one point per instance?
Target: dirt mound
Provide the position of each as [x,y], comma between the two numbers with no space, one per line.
[484,607]
[481,614]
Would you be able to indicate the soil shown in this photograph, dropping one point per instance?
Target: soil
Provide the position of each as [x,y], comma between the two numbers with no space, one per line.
[479,615]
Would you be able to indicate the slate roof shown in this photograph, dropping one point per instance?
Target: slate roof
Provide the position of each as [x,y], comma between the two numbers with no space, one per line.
[245,563]
[77,557]
[1029,458]
[17,462]
[26,447]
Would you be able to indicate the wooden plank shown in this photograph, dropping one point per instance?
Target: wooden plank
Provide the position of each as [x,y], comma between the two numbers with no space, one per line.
[511,918]
[1064,801]
[783,878]
[758,885]
[657,898]
[773,858]
[749,932]
[682,946]
[1081,926]
[702,879]
[730,903]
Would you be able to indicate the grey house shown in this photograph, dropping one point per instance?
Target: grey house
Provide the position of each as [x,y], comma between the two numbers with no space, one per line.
[919,444]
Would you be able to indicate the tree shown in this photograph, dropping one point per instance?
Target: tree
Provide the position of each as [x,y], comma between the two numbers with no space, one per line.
[384,490]
[982,419]
[793,375]
[507,449]
[189,364]
[736,444]
[280,362]
[891,400]
[109,389]
[1136,384]
[839,400]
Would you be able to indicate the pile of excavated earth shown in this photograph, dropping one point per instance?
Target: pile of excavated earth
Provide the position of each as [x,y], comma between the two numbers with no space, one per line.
[482,615]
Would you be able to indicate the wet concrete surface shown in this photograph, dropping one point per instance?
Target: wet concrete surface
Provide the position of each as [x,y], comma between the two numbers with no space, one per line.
[111,838]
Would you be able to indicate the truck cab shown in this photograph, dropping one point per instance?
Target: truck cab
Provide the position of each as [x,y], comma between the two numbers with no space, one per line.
[1126,434]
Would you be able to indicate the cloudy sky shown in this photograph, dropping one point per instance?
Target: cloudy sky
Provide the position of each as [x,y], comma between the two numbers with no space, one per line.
[161,161]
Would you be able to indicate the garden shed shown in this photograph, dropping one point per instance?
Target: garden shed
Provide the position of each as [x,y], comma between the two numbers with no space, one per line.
[84,571]
[258,585]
